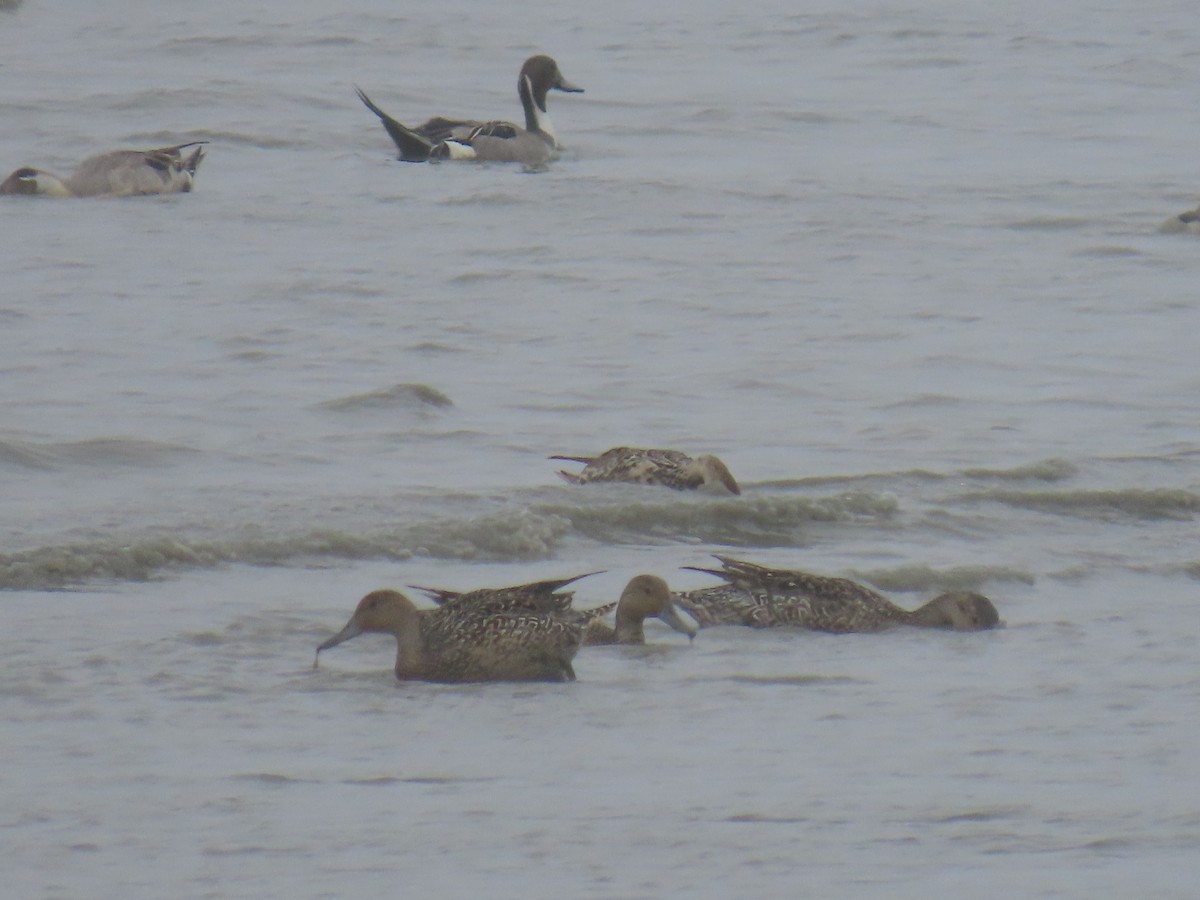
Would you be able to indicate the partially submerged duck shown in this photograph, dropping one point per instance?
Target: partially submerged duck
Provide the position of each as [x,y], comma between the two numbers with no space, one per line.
[669,468]
[122,173]
[760,597]
[644,597]
[442,138]
[1186,221]
[453,644]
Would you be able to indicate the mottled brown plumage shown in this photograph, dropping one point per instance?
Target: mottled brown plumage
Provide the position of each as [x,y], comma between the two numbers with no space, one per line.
[669,468]
[645,596]
[537,596]
[720,605]
[461,644]
[760,597]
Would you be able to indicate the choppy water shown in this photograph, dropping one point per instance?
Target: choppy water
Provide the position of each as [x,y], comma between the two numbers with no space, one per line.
[898,267]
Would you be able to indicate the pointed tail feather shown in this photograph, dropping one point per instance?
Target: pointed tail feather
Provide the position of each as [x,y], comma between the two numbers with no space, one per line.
[550,587]
[412,147]
[536,588]
[731,568]
[192,162]
[569,477]
[179,147]
[718,572]
[437,595]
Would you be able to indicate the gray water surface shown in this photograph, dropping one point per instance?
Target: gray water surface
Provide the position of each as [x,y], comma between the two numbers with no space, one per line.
[897,266]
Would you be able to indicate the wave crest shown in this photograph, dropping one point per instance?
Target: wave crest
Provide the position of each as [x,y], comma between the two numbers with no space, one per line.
[1157,503]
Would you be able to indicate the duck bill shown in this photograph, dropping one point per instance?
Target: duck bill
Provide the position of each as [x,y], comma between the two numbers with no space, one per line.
[671,616]
[352,630]
[567,87]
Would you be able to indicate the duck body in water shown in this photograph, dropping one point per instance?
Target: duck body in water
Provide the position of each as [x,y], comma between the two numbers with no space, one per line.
[762,598]
[495,140]
[121,173]
[458,643]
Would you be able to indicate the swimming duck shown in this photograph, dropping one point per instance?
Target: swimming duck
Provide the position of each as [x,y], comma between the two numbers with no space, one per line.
[643,597]
[461,645]
[761,597]
[1185,221]
[442,138]
[122,173]
[669,468]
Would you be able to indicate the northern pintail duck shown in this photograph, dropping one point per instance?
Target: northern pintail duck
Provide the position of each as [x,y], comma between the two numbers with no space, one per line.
[669,468]
[460,645]
[645,596]
[761,597]
[442,138]
[122,173]
[1185,221]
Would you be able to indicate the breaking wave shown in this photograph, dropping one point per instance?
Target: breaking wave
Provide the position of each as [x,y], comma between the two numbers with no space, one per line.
[530,532]
[1159,503]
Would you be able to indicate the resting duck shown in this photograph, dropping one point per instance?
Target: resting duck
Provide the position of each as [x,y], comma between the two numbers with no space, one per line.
[762,598]
[122,173]
[441,138]
[669,468]
[1185,221]
[643,597]
[464,645]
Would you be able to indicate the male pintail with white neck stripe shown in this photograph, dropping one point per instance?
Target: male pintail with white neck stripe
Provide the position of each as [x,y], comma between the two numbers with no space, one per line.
[442,138]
